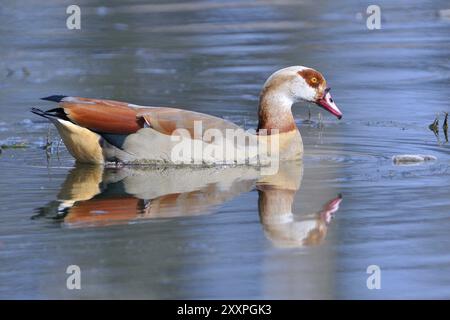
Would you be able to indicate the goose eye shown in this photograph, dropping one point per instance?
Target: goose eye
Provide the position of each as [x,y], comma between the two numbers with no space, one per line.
[314,80]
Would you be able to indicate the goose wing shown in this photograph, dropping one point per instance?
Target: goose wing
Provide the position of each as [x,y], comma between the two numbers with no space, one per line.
[115,117]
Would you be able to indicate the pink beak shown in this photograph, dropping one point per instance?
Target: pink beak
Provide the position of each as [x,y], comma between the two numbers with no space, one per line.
[328,104]
[330,208]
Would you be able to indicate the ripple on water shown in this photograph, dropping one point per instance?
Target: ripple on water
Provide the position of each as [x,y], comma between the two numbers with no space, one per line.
[390,86]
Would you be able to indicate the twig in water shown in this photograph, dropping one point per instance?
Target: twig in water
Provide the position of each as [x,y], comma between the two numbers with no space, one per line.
[320,123]
[445,127]
[435,127]
[57,148]
[17,145]
[48,143]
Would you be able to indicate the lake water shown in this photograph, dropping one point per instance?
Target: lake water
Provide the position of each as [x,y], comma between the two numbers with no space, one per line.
[225,232]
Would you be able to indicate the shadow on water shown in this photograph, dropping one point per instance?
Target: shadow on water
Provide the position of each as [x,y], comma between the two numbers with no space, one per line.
[94,196]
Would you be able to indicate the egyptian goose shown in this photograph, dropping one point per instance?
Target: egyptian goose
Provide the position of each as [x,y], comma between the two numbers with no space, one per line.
[100,131]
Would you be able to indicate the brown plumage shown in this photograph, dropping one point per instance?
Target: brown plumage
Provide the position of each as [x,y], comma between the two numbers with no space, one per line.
[315,80]
[109,116]
[106,116]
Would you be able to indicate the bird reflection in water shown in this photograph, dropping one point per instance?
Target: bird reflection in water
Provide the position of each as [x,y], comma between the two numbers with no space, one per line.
[98,196]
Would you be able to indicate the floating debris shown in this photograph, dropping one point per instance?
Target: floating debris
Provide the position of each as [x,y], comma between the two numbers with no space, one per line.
[445,127]
[409,159]
[16,145]
[435,126]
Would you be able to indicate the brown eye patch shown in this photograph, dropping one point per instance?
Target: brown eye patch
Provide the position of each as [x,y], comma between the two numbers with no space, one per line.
[313,78]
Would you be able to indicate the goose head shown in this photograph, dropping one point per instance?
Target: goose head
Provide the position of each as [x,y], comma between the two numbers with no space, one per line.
[297,83]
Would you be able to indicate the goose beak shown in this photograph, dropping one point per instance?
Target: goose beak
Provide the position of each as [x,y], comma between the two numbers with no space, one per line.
[328,104]
[330,209]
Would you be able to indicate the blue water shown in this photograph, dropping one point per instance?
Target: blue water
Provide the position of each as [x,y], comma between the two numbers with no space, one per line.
[152,234]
